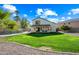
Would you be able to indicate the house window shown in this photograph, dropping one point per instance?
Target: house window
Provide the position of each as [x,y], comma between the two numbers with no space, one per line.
[69,23]
[64,23]
[37,22]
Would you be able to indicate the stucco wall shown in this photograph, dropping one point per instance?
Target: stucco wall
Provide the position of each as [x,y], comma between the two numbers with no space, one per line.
[74,25]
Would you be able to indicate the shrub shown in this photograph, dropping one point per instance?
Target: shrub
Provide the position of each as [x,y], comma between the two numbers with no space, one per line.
[64,27]
[12,25]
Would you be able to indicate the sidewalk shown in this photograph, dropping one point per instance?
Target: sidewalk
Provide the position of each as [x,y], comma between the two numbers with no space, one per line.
[14,34]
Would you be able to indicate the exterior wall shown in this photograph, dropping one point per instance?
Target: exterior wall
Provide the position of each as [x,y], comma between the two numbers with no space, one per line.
[53,26]
[42,28]
[74,25]
[45,22]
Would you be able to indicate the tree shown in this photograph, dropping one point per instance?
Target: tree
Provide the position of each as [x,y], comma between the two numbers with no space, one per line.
[12,25]
[17,18]
[3,16]
[6,23]
[24,23]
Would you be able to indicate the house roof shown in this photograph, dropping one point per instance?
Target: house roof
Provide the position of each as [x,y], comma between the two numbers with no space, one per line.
[43,19]
[71,20]
[41,25]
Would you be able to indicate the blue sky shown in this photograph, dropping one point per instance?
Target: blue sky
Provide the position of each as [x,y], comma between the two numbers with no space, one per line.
[52,12]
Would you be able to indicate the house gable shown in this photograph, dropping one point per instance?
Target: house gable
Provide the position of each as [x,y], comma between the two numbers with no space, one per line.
[42,21]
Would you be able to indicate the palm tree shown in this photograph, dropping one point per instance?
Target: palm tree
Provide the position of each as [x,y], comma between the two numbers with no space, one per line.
[17,18]
[4,15]
[24,23]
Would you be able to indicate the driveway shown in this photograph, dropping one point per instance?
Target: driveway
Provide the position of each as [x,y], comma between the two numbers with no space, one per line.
[75,34]
[7,48]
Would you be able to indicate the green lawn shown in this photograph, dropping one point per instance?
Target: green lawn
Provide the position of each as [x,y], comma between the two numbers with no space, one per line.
[57,41]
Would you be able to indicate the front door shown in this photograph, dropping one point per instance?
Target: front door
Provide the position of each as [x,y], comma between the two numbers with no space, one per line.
[38,29]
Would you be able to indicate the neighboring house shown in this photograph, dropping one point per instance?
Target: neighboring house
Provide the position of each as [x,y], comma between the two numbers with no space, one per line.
[72,23]
[43,25]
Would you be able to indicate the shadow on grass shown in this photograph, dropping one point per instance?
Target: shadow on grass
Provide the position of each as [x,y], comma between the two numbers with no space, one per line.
[44,34]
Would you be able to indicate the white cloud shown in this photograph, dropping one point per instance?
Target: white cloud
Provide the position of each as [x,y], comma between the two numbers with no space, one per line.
[68,17]
[75,11]
[63,18]
[14,14]
[45,12]
[69,13]
[30,11]
[43,16]
[25,15]
[11,8]
[50,12]
[39,11]
[56,20]
[53,20]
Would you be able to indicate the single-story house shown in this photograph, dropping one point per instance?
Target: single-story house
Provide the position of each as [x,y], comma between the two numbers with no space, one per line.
[43,25]
[72,23]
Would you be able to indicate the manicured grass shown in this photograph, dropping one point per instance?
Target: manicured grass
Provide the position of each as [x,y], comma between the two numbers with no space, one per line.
[57,41]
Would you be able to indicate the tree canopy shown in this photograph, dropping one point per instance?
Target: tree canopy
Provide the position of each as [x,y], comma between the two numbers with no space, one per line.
[6,23]
[24,23]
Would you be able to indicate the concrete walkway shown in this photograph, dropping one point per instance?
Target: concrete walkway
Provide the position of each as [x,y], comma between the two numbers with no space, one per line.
[14,34]
[7,48]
